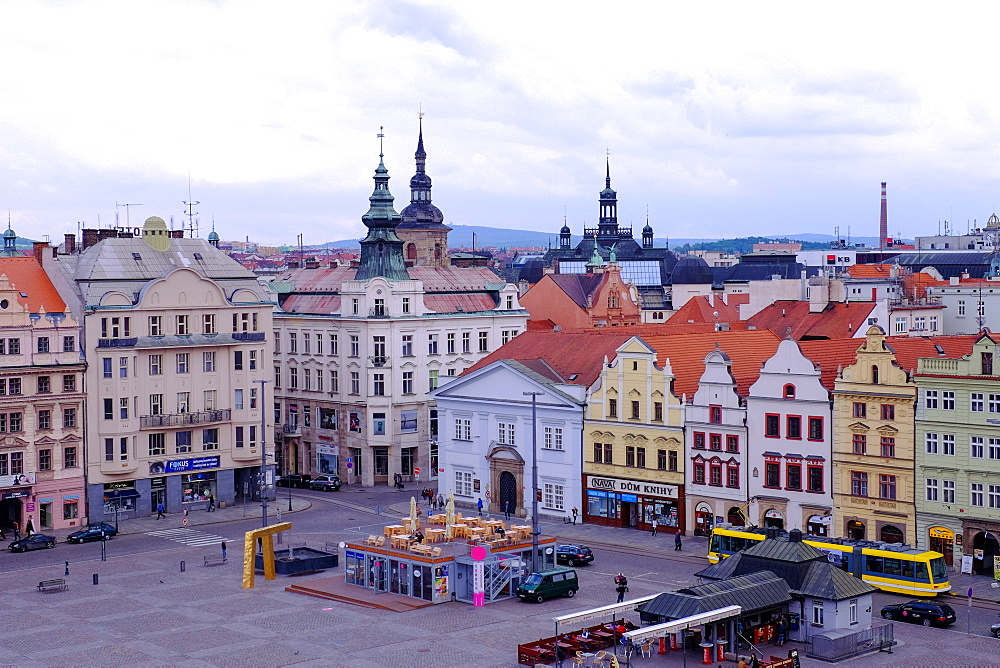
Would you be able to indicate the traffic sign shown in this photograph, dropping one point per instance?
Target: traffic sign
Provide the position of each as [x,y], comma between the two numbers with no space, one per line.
[416,470]
[350,464]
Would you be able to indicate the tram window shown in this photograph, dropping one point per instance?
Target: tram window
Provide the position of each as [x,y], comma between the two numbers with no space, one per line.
[921,573]
[873,564]
[940,569]
[892,567]
[907,569]
[715,543]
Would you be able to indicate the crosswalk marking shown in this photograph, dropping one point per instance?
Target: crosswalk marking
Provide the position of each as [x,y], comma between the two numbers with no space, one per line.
[189,537]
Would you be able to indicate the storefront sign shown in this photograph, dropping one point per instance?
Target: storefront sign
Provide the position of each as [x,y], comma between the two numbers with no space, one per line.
[633,486]
[16,494]
[180,465]
[326,458]
[15,480]
[157,483]
[773,514]
[941,532]
[630,498]
[124,484]
[30,507]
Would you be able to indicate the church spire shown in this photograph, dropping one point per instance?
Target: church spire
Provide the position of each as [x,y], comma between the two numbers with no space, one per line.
[381,250]
[607,223]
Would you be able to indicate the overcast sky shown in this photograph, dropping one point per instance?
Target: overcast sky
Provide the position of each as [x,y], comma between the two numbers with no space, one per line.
[721,119]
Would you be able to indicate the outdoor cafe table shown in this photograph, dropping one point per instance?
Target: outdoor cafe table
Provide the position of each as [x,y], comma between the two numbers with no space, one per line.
[393,529]
[459,530]
[438,519]
[402,541]
[434,535]
[493,523]
[473,521]
[523,531]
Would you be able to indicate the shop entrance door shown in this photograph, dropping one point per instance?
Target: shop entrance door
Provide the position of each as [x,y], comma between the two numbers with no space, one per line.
[508,491]
[986,542]
[377,573]
[944,546]
[156,497]
[630,514]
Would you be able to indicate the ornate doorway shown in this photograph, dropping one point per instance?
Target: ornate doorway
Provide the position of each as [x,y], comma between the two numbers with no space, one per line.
[508,491]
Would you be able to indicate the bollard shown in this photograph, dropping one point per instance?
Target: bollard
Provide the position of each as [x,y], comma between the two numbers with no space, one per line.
[95,578]
[67,568]
[182,567]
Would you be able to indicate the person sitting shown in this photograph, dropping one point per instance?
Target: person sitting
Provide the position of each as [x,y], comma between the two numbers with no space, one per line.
[499,530]
[419,536]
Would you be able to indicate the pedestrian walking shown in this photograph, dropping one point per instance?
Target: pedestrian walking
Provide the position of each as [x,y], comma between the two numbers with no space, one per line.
[159,511]
[575,512]
[441,501]
[479,507]
[224,556]
[17,531]
[29,528]
[506,510]
[3,533]
[654,527]
[677,541]
[211,503]
[622,588]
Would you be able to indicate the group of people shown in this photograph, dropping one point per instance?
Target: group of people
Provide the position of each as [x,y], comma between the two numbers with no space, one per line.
[435,501]
[29,529]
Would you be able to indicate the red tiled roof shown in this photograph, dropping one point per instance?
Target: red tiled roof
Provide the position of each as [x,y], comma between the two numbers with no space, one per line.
[686,353]
[832,355]
[442,303]
[540,325]
[453,279]
[315,304]
[836,321]
[322,279]
[578,352]
[869,270]
[27,276]
[700,309]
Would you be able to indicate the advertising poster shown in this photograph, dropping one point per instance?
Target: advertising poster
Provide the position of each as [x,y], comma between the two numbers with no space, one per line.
[996,567]
[966,564]
[326,458]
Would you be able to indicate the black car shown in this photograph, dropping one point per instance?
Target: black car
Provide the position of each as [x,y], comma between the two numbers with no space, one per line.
[573,555]
[33,542]
[294,480]
[921,612]
[94,531]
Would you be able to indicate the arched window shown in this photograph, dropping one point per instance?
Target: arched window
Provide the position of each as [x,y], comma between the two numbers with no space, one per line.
[874,374]
[890,534]
[789,391]
[411,252]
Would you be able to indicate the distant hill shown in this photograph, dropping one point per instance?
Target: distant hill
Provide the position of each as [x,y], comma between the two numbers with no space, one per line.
[462,235]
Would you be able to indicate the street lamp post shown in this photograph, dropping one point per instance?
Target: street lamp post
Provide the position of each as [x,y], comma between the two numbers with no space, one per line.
[263,453]
[535,530]
[289,482]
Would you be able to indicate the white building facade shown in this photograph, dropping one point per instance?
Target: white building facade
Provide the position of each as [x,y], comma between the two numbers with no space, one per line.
[788,421]
[488,445]
[716,436]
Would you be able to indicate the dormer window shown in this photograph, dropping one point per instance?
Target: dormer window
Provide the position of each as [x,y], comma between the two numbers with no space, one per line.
[789,391]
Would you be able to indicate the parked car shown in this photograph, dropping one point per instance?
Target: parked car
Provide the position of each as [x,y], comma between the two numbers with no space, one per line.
[547,584]
[326,483]
[92,532]
[927,613]
[294,480]
[573,555]
[995,630]
[33,542]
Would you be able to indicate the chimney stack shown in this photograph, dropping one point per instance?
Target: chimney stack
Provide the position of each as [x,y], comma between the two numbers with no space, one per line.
[883,222]
[89,238]
[39,250]
[70,244]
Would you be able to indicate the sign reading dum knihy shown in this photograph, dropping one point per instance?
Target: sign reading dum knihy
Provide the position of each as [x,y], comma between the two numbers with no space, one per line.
[631,486]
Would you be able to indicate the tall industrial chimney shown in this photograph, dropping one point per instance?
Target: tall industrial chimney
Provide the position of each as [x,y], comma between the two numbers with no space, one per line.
[883,222]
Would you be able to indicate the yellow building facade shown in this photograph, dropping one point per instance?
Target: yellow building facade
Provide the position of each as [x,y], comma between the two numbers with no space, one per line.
[873,446]
[633,453]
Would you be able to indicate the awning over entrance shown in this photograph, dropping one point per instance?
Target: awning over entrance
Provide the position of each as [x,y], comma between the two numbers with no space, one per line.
[660,630]
[601,612]
[121,494]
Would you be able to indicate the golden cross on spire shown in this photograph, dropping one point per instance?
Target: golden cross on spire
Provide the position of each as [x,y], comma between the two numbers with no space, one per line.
[380,135]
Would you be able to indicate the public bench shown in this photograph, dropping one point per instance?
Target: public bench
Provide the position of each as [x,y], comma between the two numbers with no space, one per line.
[58,584]
[214,561]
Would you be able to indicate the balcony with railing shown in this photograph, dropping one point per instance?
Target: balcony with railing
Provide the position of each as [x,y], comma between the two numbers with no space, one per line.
[117,343]
[378,312]
[184,419]
[379,360]
[937,365]
[249,336]
[291,430]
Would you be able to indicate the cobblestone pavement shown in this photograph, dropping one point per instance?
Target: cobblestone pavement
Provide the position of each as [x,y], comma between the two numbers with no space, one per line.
[145,612]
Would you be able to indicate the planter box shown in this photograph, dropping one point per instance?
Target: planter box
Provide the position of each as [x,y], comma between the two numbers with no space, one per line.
[304,560]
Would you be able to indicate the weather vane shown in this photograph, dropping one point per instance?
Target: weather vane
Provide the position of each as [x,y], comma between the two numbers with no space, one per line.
[380,136]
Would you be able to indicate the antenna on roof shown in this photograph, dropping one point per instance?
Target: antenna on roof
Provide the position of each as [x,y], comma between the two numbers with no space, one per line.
[190,213]
[126,205]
